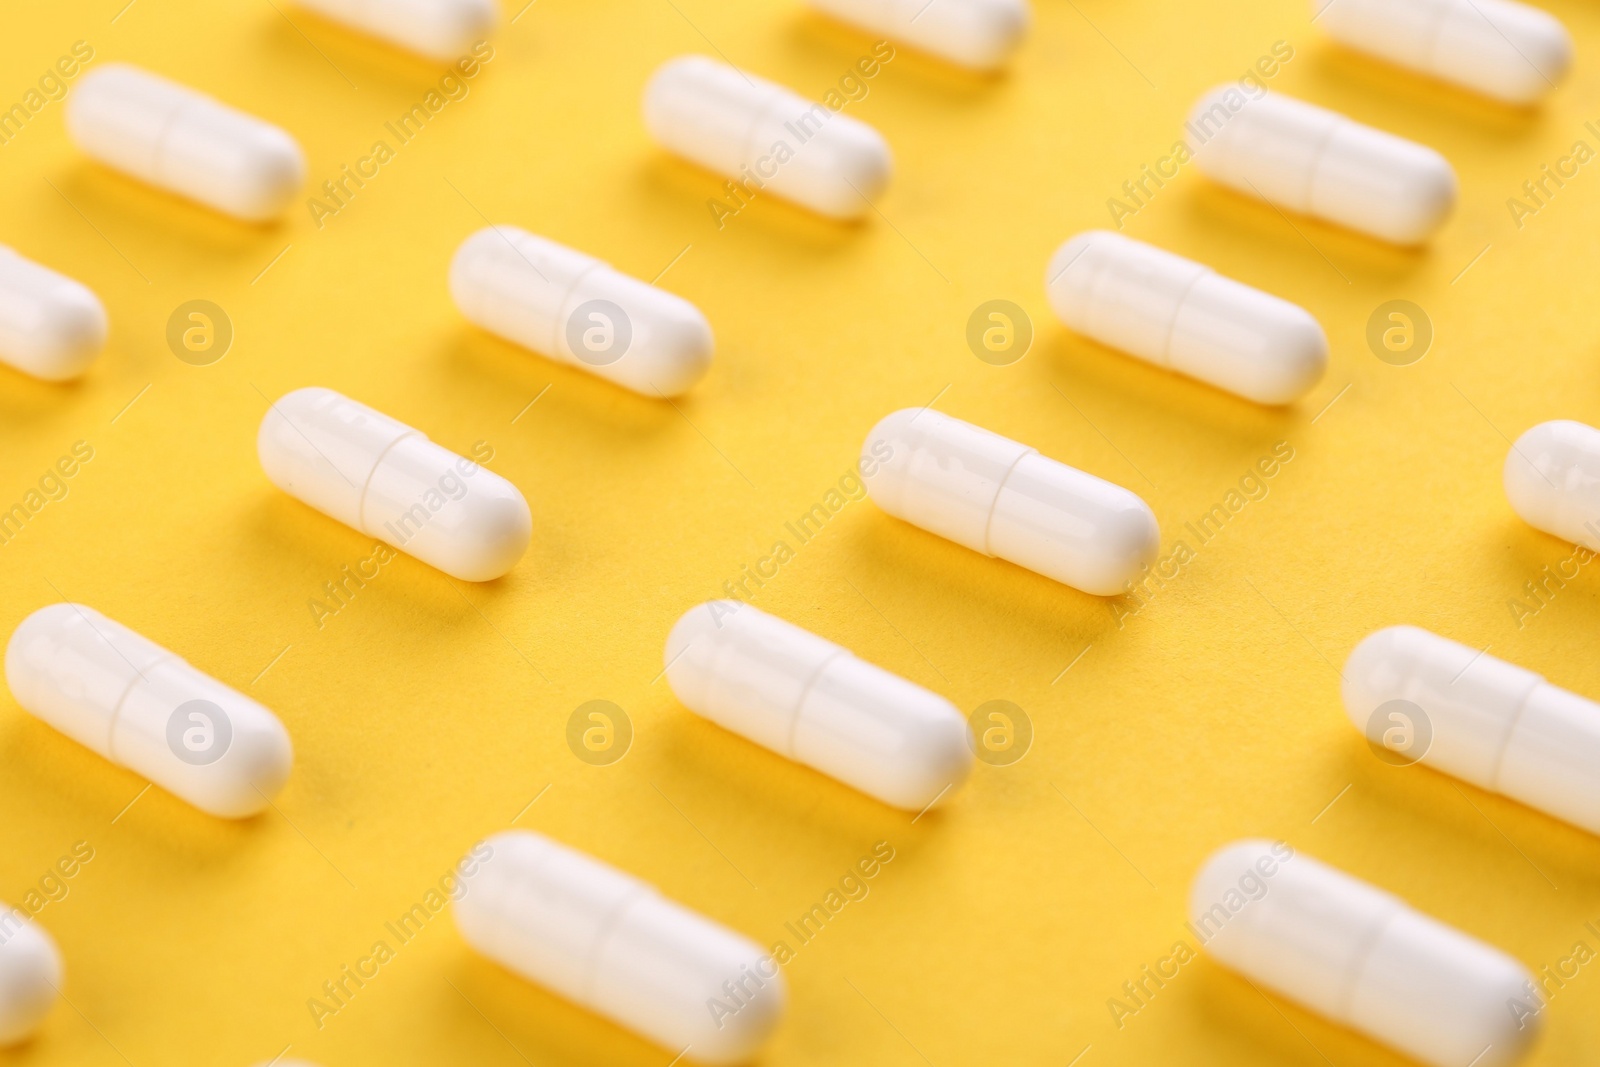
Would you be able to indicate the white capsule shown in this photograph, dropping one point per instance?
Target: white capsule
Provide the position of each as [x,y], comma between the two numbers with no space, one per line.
[185,142]
[811,701]
[613,944]
[1004,499]
[766,138]
[30,976]
[980,34]
[1481,719]
[439,29]
[1552,478]
[577,310]
[387,480]
[50,326]
[141,707]
[1303,158]
[1183,316]
[1510,51]
[1362,957]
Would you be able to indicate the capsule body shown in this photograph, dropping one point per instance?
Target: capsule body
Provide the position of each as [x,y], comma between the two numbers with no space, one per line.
[577,310]
[1303,158]
[1185,317]
[1552,478]
[439,29]
[1004,499]
[185,142]
[1479,718]
[979,34]
[613,944]
[50,326]
[387,480]
[813,702]
[143,708]
[759,133]
[30,976]
[1509,51]
[1362,957]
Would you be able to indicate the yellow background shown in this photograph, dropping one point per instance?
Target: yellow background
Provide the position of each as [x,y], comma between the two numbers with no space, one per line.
[429,712]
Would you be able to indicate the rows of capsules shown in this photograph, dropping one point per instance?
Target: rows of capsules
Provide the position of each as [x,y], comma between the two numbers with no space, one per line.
[606,940]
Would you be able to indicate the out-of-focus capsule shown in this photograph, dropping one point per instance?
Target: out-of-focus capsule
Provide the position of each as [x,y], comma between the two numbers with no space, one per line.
[1186,317]
[1004,499]
[185,142]
[1481,719]
[387,480]
[613,944]
[576,309]
[1362,957]
[765,137]
[1303,158]
[50,326]
[980,34]
[807,699]
[1552,478]
[141,707]
[439,29]
[1510,51]
[30,976]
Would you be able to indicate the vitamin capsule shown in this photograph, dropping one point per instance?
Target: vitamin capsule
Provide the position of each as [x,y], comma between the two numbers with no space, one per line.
[1004,499]
[1481,719]
[1298,157]
[980,34]
[575,309]
[185,142]
[30,976]
[765,138]
[1552,477]
[439,29]
[141,707]
[813,702]
[1361,957]
[387,480]
[50,326]
[1186,317]
[1512,52]
[613,944]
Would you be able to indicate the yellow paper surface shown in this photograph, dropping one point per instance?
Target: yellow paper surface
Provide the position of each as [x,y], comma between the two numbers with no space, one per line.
[427,713]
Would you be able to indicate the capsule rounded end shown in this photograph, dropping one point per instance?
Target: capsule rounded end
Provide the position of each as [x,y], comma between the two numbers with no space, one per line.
[681,349]
[1129,540]
[270,175]
[460,25]
[861,160]
[1424,203]
[1545,481]
[1373,673]
[691,640]
[939,759]
[253,771]
[1299,349]
[1221,871]
[73,332]
[743,1032]
[1070,277]
[493,533]
[30,977]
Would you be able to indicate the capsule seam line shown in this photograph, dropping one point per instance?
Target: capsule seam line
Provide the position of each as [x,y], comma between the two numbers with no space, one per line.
[994,505]
[1438,32]
[1316,161]
[556,328]
[800,702]
[116,712]
[158,153]
[761,114]
[1177,312]
[1510,731]
[1359,963]
[608,930]
[366,485]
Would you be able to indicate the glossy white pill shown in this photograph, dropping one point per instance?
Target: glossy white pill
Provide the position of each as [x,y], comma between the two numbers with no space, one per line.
[613,944]
[766,138]
[811,701]
[1303,158]
[576,309]
[1552,478]
[439,29]
[50,326]
[1362,957]
[981,34]
[185,142]
[1479,718]
[1186,317]
[1510,51]
[30,976]
[143,708]
[387,480]
[1004,499]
